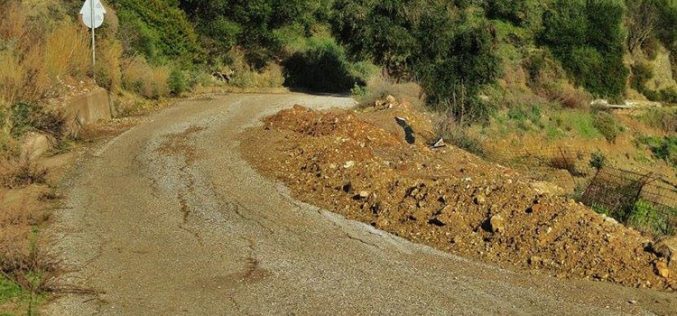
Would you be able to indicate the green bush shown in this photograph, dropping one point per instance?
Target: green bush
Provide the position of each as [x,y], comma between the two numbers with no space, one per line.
[177,82]
[606,124]
[641,74]
[588,38]
[26,116]
[322,68]
[662,147]
[597,160]
[159,30]
[646,217]
[518,12]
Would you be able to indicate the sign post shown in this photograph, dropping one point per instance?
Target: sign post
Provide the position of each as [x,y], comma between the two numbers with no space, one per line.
[92,13]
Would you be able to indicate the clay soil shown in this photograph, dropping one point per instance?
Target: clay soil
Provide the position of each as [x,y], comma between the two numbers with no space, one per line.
[358,164]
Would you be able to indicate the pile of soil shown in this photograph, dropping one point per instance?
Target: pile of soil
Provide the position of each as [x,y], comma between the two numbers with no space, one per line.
[358,164]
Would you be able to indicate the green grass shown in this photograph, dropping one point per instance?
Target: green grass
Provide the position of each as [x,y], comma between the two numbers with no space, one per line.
[579,122]
[10,292]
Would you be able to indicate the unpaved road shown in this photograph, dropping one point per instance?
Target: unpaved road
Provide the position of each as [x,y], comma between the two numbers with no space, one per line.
[167,219]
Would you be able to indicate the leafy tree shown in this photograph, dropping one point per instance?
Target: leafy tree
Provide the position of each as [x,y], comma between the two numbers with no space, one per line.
[449,52]
[159,30]
[251,24]
[587,37]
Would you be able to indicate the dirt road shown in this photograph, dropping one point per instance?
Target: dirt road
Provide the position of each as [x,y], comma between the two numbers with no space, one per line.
[168,219]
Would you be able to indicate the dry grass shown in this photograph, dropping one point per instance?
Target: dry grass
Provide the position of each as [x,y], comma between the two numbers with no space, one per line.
[568,96]
[11,77]
[244,76]
[380,87]
[140,77]
[17,173]
[38,58]
[66,52]
[12,24]
[108,73]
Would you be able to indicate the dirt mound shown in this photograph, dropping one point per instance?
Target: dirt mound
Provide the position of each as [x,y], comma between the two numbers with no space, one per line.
[359,165]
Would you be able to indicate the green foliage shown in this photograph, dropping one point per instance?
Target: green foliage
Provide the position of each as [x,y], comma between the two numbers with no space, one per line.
[460,138]
[523,113]
[641,74]
[646,217]
[518,12]
[9,290]
[451,56]
[588,38]
[159,30]
[661,118]
[607,125]
[253,25]
[26,116]
[597,160]
[668,95]
[662,147]
[321,68]
[177,82]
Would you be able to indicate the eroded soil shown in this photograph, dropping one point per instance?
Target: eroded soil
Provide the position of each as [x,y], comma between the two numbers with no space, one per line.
[358,164]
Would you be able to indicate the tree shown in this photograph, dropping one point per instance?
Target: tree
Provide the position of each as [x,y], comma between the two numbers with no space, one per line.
[587,37]
[641,22]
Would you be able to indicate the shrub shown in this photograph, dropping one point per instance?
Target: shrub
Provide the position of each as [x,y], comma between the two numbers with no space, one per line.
[108,66]
[67,52]
[661,118]
[597,160]
[587,37]
[147,81]
[177,82]
[459,136]
[646,217]
[641,74]
[20,173]
[662,147]
[606,124]
[379,87]
[26,116]
[321,68]
[159,30]
[11,77]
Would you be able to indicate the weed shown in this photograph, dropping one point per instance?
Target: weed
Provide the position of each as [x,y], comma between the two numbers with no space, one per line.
[646,217]
[379,87]
[661,118]
[606,124]
[27,116]
[460,137]
[662,148]
[20,173]
[597,160]
[177,82]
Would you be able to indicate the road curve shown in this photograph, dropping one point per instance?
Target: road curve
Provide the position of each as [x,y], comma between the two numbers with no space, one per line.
[167,219]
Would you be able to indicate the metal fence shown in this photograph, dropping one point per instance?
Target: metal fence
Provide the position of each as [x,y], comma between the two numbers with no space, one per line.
[618,191]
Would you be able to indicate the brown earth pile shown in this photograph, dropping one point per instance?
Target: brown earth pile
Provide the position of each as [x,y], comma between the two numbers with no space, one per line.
[359,165]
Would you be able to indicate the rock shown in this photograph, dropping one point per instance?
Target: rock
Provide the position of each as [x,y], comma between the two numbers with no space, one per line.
[439,143]
[497,224]
[662,269]
[547,188]
[349,164]
[666,248]
[535,260]
[363,194]
[480,199]
[35,145]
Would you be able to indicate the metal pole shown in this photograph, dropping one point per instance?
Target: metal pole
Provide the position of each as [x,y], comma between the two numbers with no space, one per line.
[91,21]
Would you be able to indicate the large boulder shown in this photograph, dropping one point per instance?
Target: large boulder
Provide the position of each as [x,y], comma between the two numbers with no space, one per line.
[34,145]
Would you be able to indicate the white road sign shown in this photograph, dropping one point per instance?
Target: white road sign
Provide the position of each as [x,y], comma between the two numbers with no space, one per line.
[92,13]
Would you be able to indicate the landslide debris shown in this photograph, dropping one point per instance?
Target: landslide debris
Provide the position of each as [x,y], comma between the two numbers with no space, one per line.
[359,164]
